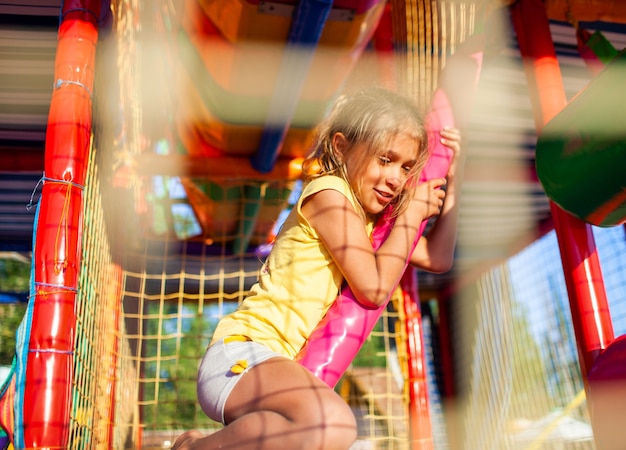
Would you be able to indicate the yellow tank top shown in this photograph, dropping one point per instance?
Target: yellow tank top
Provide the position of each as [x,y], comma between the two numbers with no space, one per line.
[297,283]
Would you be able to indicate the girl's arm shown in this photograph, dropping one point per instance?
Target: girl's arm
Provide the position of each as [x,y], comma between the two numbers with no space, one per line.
[371,275]
[435,251]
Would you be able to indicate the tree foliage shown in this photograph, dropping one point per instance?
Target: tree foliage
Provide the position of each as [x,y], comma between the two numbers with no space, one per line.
[171,368]
[14,278]
[10,318]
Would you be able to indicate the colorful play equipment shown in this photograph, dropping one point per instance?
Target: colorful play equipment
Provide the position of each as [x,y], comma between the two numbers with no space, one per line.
[251,84]
[582,150]
[587,294]
[242,134]
[578,138]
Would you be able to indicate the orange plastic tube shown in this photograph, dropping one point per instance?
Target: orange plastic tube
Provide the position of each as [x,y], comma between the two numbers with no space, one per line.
[57,249]
[420,425]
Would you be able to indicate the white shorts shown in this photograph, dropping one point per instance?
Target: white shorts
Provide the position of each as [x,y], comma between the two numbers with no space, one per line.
[216,380]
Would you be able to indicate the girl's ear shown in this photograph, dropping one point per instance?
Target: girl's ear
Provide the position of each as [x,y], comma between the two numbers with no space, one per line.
[339,144]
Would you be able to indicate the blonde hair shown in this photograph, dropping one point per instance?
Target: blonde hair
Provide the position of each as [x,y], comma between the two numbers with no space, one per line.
[372,117]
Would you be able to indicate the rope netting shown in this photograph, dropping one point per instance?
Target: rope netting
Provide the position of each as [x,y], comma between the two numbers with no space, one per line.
[427,33]
[159,270]
[517,360]
[102,384]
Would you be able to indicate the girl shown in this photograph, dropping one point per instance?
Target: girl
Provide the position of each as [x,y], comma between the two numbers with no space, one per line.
[369,151]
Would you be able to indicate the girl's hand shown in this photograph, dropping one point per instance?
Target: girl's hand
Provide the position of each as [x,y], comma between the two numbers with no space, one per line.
[435,250]
[451,138]
[429,196]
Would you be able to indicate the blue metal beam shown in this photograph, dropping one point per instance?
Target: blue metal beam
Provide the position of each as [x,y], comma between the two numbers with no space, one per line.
[306,28]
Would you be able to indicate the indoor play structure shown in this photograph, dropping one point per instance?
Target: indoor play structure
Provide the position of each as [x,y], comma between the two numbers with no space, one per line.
[175,139]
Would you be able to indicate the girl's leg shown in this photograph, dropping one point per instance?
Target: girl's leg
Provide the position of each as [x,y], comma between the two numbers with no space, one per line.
[279,404]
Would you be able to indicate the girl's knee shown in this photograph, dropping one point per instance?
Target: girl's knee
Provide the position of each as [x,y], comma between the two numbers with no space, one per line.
[342,438]
[340,426]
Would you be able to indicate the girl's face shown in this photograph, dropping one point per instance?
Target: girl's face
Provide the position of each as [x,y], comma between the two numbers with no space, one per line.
[383,177]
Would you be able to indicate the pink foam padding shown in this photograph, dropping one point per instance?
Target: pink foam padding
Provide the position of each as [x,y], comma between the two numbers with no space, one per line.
[341,333]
